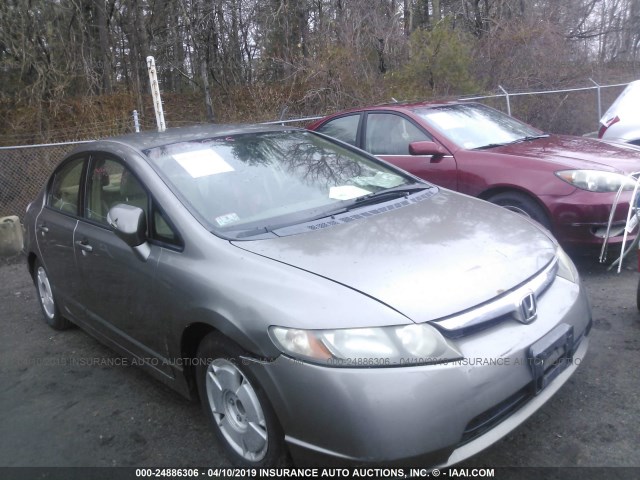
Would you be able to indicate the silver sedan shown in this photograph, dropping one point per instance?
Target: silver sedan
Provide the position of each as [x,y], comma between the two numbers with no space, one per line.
[324,306]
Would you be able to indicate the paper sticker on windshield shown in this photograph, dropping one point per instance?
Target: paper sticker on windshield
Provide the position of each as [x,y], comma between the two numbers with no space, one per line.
[445,120]
[347,192]
[202,163]
[380,179]
[227,219]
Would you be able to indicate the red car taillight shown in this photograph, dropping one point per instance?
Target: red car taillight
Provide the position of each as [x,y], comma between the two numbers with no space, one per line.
[607,124]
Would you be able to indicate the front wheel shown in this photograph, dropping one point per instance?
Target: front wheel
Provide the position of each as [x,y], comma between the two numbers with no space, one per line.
[522,204]
[238,409]
[45,298]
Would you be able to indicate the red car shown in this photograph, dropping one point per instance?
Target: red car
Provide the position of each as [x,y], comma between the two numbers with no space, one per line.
[566,183]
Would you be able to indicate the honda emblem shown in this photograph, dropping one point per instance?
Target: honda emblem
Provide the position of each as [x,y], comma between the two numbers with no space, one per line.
[528,309]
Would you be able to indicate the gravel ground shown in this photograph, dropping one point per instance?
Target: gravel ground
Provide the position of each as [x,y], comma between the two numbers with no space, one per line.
[56,412]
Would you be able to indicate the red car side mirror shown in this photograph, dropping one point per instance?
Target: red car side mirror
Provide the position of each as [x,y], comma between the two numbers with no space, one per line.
[427,148]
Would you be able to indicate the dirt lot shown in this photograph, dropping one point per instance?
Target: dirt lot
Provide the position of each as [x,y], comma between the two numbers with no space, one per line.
[57,411]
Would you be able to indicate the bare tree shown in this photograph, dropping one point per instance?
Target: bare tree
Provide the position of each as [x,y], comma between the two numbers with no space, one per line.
[307,54]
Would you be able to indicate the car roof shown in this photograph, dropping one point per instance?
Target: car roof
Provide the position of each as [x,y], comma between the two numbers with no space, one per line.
[146,140]
[402,106]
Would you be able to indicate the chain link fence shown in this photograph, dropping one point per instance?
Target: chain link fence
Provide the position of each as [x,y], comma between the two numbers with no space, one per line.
[570,111]
[25,169]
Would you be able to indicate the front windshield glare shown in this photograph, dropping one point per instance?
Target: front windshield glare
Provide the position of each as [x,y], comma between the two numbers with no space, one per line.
[475,126]
[266,180]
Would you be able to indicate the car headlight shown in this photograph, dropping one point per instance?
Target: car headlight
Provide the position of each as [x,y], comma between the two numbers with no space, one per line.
[566,267]
[596,180]
[415,344]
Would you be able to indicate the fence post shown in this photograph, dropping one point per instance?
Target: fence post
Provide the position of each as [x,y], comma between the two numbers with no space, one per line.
[155,93]
[599,101]
[506,94]
[136,121]
[284,110]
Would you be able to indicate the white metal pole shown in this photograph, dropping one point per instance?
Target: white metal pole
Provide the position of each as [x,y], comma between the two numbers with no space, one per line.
[136,121]
[599,100]
[155,93]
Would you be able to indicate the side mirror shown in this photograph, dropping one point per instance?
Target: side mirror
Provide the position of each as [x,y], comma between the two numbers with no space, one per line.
[427,148]
[129,223]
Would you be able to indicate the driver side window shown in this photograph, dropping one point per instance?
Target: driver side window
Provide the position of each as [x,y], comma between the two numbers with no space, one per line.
[389,134]
[109,182]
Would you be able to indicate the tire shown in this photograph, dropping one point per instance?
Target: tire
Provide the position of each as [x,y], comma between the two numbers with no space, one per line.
[47,302]
[239,411]
[522,204]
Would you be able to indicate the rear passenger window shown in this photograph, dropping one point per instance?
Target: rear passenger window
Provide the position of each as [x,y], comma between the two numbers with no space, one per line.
[65,188]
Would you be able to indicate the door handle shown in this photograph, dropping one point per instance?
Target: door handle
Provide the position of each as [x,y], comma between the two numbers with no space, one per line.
[43,228]
[84,246]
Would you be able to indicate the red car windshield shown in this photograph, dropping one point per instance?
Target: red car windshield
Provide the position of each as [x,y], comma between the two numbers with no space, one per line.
[473,126]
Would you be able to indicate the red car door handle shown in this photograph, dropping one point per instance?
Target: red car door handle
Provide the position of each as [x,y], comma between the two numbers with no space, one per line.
[84,246]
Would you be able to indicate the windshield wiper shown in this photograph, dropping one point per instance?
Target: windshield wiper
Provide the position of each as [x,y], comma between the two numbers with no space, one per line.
[375,197]
[371,198]
[491,145]
[386,194]
[528,138]
[252,232]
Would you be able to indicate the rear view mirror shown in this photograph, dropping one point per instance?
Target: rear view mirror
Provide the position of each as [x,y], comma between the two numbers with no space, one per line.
[129,223]
[427,148]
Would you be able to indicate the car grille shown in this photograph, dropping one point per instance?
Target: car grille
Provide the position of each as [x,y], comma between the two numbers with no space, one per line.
[490,418]
[499,309]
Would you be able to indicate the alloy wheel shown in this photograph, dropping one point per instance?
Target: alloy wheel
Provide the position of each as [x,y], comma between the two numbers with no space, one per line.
[45,293]
[237,410]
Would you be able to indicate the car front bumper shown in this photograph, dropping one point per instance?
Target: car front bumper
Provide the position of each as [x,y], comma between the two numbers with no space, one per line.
[580,219]
[423,415]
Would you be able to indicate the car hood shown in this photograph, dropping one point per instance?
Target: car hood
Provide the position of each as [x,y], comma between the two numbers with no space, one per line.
[428,260]
[577,153]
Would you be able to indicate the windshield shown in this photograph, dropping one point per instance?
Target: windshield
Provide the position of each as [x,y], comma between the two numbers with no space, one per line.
[266,180]
[475,126]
